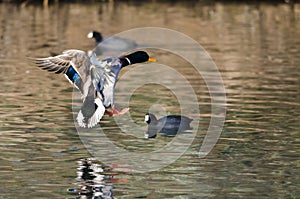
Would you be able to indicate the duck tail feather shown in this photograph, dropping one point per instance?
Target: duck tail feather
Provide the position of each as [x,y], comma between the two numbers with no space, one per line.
[91,121]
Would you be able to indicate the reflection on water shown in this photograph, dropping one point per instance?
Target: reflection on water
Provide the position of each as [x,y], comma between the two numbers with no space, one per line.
[91,182]
[256,47]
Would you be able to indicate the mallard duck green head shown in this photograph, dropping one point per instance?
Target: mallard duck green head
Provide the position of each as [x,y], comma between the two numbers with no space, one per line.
[139,57]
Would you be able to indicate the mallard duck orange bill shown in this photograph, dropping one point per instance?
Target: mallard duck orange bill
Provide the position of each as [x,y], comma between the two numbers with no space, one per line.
[152,59]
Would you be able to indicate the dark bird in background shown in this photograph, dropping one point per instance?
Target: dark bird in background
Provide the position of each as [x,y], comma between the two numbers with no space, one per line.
[105,45]
[169,125]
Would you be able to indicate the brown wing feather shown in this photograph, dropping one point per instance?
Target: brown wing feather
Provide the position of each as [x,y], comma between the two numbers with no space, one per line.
[60,63]
[57,64]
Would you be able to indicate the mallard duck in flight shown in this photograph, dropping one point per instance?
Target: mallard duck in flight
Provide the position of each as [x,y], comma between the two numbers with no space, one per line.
[95,79]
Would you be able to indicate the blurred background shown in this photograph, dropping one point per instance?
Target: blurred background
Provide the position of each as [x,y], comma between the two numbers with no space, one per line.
[255,45]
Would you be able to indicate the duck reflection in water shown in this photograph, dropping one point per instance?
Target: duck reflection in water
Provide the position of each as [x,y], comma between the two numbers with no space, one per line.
[169,125]
[94,184]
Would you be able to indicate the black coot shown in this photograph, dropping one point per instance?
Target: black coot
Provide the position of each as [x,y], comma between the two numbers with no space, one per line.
[111,44]
[168,125]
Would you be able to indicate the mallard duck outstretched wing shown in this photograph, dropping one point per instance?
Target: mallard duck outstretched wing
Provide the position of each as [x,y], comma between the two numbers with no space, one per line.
[60,63]
[75,64]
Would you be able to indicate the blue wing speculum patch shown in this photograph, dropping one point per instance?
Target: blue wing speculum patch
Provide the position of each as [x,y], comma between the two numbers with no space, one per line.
[73,76]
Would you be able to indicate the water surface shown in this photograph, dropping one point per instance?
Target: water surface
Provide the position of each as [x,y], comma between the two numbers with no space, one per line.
[257,50]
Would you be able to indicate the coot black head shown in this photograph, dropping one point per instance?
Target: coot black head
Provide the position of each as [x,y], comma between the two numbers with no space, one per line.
[96,35]
[150,117]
